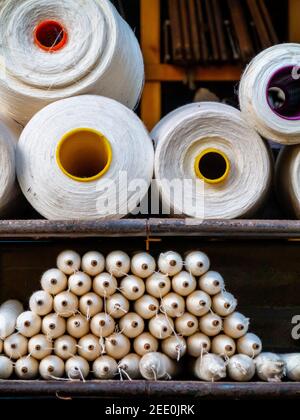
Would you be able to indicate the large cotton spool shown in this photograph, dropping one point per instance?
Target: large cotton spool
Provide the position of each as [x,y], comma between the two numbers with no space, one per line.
[9,191]
[288,180]
[226,160]
[53,49]
[269,93]
[73,155]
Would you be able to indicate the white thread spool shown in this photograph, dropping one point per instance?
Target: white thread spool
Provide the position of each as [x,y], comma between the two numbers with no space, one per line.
[223,345]
[130,365]
[186,325]
[105,367]
[15,346]
[147,306]
[143,265]
[132,325]
[211,325]
[118,263]
[78,326]
[52,367]
[9,191]
[212,283]
[80,51]
[41,303]
[102,325]
[198,303]
[28,324]
[184,283]
[174,347]
[197,263]
[161,326]
[27,368]
[53,326]
[66,304]
[68,262]
[226,164]
[90,305]
[117,305]
[40,346]
[61,186]
[80,283]
[93,263]
[269,93]
[89,347]
[173,305]
[224,303]
[170,263]
[145,343]
[117,346]
[132,287]
[288,180]
[236,325]
[105,285]
[65,347]
[158,285]
[210,368]
[54,281]
[6,367]
[9,312]
[198,344]
[250,345]
[157,366]
[241,368]
[77,368]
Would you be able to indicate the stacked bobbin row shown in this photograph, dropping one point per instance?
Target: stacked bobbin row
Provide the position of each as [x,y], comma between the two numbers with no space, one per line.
[125,319]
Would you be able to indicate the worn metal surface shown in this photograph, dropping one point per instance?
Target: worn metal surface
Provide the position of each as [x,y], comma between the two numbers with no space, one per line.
[117,389]
[152,227]
[226,228]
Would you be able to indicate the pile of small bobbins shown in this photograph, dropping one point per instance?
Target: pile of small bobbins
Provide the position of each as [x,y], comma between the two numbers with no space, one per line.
[136,319]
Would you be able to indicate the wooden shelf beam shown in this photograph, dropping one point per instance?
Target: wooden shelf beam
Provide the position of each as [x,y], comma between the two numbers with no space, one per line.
[169,73]
[294,20]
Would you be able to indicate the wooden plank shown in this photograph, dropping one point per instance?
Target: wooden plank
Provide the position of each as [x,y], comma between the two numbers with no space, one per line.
[167,72]
[151,104]
[294,19]
[150,42]
[150,30]
[160,389]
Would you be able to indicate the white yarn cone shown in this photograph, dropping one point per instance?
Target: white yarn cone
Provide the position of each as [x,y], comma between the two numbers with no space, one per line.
[9,191]
[269,93]
[211,145]
[73,155]
[92,51]
[288,180]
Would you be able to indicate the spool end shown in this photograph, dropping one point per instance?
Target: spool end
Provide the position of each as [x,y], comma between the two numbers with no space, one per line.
[84,154]
[212,166]
[283,93]
[50,35]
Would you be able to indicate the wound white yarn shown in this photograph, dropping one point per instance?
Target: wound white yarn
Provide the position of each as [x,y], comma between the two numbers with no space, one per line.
[57,196]
[183,134]
[101,56]
[253,98]
[9,191]
[288,179]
